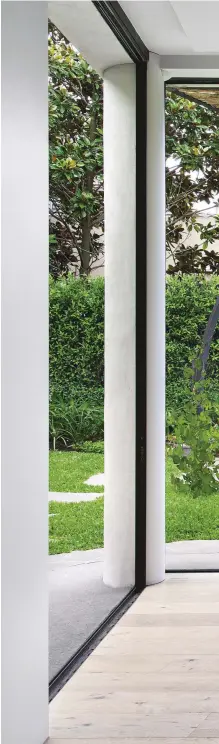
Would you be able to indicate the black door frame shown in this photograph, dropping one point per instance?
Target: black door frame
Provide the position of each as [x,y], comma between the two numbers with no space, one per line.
[120,25]
[141,326]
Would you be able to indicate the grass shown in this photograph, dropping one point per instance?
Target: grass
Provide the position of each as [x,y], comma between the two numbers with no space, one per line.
[189,518]
[75,526]
[69,470]
[80,526]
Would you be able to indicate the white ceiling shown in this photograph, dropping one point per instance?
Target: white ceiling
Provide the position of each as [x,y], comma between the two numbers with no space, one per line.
[179,29]
[187,27]
[81,23]
[200,22]
[158,26]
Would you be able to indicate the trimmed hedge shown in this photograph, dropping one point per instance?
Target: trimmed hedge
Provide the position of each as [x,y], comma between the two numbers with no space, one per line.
[76,309]
[189,301]
[77,341]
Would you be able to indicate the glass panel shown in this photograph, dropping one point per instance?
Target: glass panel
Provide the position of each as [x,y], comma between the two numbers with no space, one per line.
[192,328]
[79,599]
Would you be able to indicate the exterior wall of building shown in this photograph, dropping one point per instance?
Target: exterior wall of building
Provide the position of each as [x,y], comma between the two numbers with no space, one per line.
[192,239]
[24,373]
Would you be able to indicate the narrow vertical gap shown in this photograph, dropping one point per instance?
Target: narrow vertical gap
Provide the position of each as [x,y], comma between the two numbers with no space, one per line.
[141,367]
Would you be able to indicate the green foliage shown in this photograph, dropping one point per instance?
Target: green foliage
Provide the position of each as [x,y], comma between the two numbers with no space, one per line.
[75,526]
[195,428]
[189,302]
[91,447]
[71,423]
[68,471]
[80,526]
[76,361]
[188,518]
[76,168]
[192,174]
[77,338]
[75,158]
[77,352]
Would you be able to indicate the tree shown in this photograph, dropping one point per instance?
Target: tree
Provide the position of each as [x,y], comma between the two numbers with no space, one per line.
[192,176]
[76,169]
[75,158]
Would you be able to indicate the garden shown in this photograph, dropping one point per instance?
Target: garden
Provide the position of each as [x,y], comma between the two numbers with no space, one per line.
[76,302]
[77,410]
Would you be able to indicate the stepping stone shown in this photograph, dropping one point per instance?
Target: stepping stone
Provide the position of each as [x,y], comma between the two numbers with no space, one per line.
[72,498]
[96,480]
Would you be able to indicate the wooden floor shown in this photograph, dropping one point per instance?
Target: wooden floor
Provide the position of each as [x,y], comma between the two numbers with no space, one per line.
[155,677]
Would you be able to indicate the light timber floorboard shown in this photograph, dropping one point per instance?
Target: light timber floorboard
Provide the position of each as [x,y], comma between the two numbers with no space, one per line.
[155,677]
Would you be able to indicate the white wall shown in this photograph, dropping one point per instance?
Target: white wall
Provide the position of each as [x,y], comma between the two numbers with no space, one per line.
[119,194]
[193,238]
[24,373]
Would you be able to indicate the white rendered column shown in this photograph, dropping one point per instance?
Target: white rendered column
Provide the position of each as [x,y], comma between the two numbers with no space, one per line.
[119,185]
[24,367]
[155,529]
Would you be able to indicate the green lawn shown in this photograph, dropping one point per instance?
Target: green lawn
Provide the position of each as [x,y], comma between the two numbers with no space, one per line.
[69,470]
[189,518]
[75,526]
[80,526]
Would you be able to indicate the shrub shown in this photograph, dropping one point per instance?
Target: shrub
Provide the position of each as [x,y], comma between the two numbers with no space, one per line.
[77,351]
[93,447]
[76,312]
[189,301]
[72,423]
[77,332]
[195,428]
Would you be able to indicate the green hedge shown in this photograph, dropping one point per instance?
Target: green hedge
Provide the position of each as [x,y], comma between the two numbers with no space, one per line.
[189,301]
[76,335]
[77,342]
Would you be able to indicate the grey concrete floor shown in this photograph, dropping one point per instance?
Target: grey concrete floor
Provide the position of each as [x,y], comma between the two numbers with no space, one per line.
[79,601]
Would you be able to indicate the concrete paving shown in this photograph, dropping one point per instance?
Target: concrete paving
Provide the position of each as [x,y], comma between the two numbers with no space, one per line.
[79,600]
[96,480]
[72,498]
[192,555]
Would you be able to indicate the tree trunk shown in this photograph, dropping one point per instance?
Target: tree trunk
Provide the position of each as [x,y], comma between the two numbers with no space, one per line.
[86,224]
[85,247]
